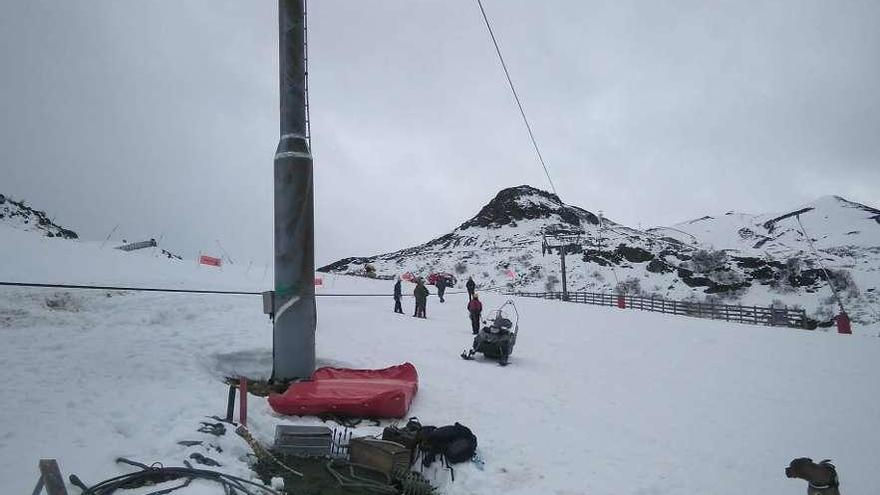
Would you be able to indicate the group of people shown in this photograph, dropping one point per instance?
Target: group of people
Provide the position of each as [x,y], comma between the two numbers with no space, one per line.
[474,307]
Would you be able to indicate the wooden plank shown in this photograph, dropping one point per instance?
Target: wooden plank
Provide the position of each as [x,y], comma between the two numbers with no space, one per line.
[51,476]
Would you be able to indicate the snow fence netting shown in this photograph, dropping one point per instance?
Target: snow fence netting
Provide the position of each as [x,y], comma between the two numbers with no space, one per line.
[382,393]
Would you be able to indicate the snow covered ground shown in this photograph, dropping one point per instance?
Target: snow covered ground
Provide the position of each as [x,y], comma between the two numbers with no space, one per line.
[596,400]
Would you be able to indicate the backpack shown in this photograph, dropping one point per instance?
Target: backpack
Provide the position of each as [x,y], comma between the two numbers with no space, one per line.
[454,443]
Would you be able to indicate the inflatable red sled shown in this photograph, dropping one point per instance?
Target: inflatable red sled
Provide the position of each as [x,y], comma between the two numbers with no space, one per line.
[385,393]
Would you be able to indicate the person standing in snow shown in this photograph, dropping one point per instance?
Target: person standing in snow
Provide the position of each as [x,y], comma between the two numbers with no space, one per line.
[475,308]
[471,287]
[397,307]
[441,287]
[421,293]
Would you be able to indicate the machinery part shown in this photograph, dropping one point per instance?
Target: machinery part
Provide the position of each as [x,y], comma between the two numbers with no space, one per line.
[303,441]
[262,452]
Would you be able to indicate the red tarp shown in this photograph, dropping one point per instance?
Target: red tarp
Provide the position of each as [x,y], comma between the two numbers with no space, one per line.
[385,393]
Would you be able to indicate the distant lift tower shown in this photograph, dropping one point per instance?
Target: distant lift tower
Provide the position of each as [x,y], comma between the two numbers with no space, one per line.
[564,242]
[292,304]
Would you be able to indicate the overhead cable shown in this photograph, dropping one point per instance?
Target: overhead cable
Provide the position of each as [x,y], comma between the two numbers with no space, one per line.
[516,96]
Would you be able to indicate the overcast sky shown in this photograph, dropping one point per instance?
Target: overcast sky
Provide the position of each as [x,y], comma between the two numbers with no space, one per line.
[162,116]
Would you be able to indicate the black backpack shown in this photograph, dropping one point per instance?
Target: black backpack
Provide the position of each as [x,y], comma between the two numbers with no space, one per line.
[455,443]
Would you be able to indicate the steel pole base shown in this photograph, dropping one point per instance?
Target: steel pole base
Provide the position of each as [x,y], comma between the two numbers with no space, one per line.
[295,315]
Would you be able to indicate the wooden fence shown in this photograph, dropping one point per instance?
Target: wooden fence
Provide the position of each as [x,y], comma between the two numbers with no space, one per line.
[754,315]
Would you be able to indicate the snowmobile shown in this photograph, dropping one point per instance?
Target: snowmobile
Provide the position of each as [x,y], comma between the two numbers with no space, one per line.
[497,336]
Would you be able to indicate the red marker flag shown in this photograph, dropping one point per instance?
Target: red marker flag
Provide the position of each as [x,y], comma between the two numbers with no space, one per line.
[209,260]
[319,282]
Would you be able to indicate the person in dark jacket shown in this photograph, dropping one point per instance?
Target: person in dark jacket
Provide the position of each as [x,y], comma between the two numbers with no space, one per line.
[475,308]
[441,287]
[397,307]
[471,287]
[421,293]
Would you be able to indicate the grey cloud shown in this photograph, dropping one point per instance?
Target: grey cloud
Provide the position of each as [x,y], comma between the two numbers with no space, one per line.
[162,116]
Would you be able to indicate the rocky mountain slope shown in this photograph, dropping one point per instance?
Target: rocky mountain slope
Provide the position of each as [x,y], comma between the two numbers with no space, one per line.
[20,216]
[17,214]
[736,258]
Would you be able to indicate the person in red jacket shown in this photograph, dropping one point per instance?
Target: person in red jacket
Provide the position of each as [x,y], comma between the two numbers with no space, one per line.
[475,308]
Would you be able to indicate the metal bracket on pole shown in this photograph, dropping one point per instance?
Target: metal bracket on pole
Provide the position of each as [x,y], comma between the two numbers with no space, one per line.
[269,303]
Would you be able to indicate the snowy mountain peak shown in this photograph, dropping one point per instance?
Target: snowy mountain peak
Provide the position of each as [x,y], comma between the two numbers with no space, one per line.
[736,257]
[18,215]
[838,201]
[831,203]
[525,202]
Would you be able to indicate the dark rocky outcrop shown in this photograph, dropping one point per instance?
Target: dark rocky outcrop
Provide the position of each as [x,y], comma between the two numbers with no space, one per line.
[506,208]
[18,210]
[634,254]
[657,266]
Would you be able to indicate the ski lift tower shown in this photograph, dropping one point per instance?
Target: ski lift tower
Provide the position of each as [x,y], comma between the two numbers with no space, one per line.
[292,304]
[564,242]
[842,319]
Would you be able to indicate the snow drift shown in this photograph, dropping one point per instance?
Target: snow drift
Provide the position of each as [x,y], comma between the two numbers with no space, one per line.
[596,399]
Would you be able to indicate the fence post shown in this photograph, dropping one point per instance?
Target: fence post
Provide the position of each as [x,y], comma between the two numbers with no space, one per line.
[230,403]
[242,403]
[50,478]
[843,326]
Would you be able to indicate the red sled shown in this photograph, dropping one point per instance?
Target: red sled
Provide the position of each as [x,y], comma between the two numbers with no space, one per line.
[385,393]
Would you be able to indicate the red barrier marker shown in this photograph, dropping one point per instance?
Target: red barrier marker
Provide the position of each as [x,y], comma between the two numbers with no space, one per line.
[242,405]
[621,302]
[209,260]
[843,326]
